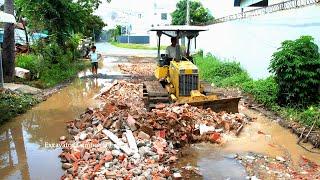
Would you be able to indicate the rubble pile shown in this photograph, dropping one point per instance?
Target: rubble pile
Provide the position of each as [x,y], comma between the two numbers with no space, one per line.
[122,140]
[147,69]
[265,167]
[188,124]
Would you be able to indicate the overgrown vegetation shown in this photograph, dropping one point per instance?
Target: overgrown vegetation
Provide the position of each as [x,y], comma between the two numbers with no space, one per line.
[296,66]
[49,64]
[12,104]
[136,46]
[224,72]
[265,91]
[46,75]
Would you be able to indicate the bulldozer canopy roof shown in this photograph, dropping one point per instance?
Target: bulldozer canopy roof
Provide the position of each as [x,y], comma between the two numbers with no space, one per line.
[174,31]
[179,28]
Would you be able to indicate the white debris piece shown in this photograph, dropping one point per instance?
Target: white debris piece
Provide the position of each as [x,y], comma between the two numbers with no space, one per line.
[124,147]
[204,129]
[131,141]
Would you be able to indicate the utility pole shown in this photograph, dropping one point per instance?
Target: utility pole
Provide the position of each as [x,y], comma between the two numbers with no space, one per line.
[188,12]
[1,71]
[187,22]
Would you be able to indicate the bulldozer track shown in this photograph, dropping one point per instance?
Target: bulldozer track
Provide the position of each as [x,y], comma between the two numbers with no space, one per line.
[154,93]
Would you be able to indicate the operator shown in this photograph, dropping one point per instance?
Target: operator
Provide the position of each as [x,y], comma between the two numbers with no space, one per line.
[174,51]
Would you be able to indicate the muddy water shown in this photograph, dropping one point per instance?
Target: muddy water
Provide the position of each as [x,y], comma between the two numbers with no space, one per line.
[263,136]
[26,150]
[25,154]
[268,137]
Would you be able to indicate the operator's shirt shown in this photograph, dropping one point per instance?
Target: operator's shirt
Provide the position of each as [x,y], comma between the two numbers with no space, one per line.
[172,53]
[93,57]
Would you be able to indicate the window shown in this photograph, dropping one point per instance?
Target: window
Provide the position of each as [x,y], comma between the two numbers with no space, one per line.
[164,16]
[139,16]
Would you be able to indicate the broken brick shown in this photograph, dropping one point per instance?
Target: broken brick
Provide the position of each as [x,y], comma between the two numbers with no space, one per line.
[215,137]
[160,106]
[143,135]
[161,134]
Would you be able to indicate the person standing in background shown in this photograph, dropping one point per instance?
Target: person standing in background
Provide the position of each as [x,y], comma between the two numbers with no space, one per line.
[94,60]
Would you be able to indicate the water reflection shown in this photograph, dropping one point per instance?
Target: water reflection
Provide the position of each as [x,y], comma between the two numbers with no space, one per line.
[13,154]
[23,154]
[212,162]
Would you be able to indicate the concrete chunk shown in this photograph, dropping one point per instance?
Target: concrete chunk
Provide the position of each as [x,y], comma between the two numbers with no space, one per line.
[22,73]
[131,141]
[124,147]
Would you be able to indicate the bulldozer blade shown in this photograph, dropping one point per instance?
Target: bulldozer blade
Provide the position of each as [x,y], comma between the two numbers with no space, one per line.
[229,105]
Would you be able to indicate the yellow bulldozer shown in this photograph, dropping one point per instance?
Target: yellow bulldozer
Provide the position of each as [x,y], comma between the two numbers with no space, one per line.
[178,78]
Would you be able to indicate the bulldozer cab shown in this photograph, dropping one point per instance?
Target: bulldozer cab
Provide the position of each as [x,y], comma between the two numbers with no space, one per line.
[189,32]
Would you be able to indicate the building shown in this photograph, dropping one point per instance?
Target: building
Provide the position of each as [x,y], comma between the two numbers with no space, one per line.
[135,19]
[251,3]
[161,13]
[255,3]
[161,16]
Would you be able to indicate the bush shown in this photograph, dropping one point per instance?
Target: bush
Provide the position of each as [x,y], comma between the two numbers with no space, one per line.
[30,62]
[72,45]
[12,104]
[264,91]
[296,66]
[57,64]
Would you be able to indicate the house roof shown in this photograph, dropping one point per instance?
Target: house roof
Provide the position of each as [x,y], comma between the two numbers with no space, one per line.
[179,31]
[179,28]
[251,3]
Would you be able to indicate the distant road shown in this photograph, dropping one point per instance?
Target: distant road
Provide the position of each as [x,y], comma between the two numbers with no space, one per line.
[110,50]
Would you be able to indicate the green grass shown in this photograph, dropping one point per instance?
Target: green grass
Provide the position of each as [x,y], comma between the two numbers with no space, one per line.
[136,46]
[44,74]
[221,73]
[13,104]
[58,73]
[231,74]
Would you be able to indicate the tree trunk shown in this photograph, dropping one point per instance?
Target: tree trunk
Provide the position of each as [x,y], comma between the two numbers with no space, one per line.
[25,32]
[8,54]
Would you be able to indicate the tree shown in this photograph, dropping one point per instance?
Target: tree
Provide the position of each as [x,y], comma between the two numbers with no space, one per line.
[8,55]
[198,14]
[94,26]
[61,18]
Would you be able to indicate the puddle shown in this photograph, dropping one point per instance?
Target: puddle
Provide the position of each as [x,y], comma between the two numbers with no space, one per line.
[26,150]
[273,140]
[213,163]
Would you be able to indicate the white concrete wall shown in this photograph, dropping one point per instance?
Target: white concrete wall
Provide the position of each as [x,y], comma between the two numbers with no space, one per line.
[252,41]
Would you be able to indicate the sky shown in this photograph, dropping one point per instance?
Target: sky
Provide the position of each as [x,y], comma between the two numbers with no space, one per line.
[218,8]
